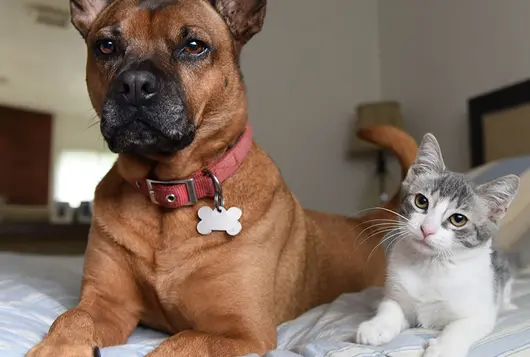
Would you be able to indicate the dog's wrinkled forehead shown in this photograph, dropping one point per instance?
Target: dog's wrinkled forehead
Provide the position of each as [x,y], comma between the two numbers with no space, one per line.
[154,5]
[162,18]
[240,18]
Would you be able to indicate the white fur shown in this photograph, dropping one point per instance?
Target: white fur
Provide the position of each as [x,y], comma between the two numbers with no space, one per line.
[455,296]
[433,279]
[435,283]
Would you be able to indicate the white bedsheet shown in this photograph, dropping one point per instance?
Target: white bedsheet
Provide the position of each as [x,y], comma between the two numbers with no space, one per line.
[34,290]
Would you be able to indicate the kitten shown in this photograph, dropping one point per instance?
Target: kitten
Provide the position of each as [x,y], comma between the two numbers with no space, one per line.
[443,272]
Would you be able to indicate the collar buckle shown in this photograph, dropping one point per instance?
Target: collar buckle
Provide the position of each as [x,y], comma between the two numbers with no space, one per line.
[190,187]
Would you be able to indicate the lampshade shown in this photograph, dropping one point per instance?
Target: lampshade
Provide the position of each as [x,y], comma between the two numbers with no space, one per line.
[374,113]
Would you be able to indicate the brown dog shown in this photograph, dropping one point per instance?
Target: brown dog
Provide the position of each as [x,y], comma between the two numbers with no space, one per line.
[163,75]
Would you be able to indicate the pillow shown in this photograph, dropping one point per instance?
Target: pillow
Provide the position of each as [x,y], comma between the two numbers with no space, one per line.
[516,223]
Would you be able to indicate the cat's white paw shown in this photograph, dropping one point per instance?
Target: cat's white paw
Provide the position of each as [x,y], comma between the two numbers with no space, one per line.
[435,349]
[509,306]
[432,349]
[376,332]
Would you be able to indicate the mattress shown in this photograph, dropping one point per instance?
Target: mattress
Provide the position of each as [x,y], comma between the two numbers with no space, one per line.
[34,290]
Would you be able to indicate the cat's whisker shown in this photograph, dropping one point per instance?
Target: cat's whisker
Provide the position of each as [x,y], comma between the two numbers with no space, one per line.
[371,220]
[382,231]
[450,253]
[377,220]
[376,227]
[364,241]
[377,232]
[399,238]
[438,254]
[445,254]
[396,236]
[397,232]
[384,224]
[392,235]
[383,209]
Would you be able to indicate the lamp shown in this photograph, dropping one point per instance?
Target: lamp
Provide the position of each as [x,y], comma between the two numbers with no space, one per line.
[369,114]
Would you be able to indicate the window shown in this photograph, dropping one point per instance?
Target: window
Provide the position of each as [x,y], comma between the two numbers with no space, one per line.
[77,174]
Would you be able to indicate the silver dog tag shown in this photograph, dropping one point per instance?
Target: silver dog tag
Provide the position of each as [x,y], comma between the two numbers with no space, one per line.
[219,219]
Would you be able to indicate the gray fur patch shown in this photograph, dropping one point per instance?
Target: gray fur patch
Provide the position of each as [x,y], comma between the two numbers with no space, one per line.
[503,271]
[455,188]
[407,207]
[485,203]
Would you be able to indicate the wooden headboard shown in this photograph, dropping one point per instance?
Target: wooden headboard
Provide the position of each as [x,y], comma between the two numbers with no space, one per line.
[499,123]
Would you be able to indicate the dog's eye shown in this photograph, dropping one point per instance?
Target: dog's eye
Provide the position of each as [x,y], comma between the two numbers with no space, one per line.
[195,48]
[106,47]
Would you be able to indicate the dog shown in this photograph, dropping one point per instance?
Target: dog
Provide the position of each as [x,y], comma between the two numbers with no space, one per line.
[164,78]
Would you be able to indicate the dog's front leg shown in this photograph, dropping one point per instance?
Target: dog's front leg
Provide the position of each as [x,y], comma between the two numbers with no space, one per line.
[228,319]
[108,309]
[202,344]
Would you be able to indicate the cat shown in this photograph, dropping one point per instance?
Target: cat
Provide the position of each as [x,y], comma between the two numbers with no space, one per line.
[443,272]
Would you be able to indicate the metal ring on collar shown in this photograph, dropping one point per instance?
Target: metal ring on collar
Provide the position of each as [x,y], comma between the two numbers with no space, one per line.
[218,198]
[218,201]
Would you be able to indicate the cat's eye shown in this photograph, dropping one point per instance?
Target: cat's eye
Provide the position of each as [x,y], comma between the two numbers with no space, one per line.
[421,201]
[458,220]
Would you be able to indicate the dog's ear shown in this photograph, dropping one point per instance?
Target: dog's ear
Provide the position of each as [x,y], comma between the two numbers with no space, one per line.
[84,12]
[244,17]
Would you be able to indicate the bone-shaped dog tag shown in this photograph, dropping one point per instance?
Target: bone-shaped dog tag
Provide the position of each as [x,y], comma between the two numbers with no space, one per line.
[212,219]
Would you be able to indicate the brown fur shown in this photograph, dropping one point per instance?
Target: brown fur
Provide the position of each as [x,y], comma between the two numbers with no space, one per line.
[219,296]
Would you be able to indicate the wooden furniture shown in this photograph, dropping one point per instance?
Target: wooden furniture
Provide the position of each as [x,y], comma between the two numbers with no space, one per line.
[43,238]
[499,123]
[25,158]
[25,155]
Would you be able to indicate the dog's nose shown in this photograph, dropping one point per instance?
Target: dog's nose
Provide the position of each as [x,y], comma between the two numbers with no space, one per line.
[138,87]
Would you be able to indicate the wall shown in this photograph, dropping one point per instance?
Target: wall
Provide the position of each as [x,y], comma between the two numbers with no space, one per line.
[44,66]
[437,54]
[76,132]
[305,73]
[313,62]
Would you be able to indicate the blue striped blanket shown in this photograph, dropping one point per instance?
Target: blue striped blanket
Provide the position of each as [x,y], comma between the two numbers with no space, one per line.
[34,290]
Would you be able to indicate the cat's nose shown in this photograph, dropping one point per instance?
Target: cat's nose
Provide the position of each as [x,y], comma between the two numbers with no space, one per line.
[427,231]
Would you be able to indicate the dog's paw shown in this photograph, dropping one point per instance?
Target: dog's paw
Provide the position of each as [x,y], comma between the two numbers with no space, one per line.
[45,349]
[376,332]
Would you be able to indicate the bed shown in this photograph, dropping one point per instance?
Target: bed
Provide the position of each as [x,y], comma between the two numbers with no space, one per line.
[30,301]
[36,288]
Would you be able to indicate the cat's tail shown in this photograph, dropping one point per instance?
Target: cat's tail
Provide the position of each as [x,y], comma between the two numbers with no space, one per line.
[401,144]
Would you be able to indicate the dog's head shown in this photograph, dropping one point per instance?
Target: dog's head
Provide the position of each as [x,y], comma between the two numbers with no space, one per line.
[163,75]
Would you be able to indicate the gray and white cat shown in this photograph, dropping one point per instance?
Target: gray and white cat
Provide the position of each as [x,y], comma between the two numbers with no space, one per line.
[442,271]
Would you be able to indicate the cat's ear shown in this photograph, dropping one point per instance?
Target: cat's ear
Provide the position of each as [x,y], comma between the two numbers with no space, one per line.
[498,194]
[429,158]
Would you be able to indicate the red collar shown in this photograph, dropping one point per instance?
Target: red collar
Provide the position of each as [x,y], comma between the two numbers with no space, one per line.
[188,191]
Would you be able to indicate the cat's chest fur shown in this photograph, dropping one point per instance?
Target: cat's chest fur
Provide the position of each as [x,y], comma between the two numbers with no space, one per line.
[432,294]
